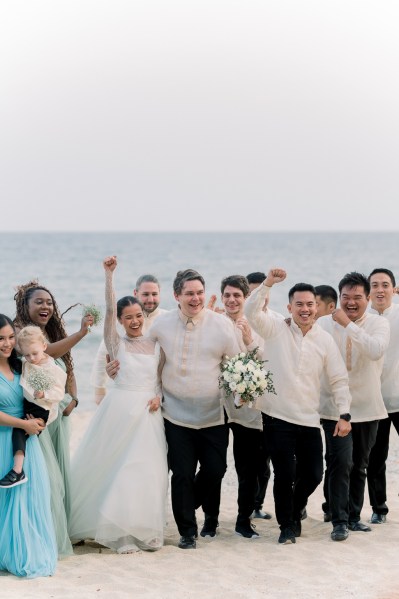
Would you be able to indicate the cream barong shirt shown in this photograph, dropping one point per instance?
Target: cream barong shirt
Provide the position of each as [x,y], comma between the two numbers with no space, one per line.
[194,349]
[364,356]
[297,362]
[390,369]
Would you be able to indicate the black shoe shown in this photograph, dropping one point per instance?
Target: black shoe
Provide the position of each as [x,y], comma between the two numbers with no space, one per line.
[327,516]
[358,527]
[340,532]
[261,514]
[297,528]
[287,535]
[303,514]
[13,479]
[378,518]
[187,542]
[210,526]
[247,530]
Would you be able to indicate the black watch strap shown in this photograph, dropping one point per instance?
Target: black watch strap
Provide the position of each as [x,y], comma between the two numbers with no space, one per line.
[346,417]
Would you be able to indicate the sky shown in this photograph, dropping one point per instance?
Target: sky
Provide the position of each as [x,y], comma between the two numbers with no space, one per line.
[210,115]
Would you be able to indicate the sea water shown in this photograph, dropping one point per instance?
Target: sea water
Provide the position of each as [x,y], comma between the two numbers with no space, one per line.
[70,265]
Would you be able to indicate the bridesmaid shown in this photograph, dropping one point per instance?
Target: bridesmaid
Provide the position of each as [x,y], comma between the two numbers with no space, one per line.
[27,539]
[36,305]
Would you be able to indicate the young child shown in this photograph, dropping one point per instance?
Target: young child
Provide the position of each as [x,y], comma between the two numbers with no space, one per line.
[38,371]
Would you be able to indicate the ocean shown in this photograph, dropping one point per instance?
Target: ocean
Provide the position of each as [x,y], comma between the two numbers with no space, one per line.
[70,265]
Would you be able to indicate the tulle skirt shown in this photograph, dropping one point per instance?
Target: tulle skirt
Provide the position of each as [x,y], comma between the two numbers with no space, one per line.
[120,475]
[27,540]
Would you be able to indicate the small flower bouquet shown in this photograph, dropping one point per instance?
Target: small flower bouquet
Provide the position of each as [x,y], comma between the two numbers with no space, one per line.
[40,380]
[245,376]
[95,313]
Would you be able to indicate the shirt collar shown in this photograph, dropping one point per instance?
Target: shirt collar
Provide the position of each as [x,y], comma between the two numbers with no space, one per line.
[194,319]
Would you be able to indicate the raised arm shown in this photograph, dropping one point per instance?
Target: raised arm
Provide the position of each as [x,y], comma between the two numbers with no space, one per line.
[59,348]
[372,344]
[111,337]
[259,318]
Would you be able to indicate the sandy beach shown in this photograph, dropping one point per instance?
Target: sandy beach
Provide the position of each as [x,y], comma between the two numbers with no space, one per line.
[364,566]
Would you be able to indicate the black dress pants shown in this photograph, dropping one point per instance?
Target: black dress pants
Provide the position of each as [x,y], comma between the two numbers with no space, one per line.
[263,475]
[297,456]
[188,447]
[364,435]
[337,475]
[246,451]
[376,471]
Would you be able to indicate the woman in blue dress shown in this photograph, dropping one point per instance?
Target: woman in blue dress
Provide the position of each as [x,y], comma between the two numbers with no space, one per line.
[27,540]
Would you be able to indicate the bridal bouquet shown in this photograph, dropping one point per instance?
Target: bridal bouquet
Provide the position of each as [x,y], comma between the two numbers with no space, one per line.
[245,376]
[40,380]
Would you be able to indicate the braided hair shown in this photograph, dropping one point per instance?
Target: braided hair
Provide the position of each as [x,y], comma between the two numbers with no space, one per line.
[55,328]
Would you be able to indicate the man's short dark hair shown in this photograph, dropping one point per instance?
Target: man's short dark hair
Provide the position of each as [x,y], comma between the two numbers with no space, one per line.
[146,279]
[186,275]
[385,271]
[301,287]
[354,279]
[255,278]
[237,281]
[327,294]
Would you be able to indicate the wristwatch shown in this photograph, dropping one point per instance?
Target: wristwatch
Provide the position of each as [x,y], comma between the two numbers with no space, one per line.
[346,417]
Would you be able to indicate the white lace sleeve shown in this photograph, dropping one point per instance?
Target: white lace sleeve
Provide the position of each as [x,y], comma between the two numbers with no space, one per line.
[111,336]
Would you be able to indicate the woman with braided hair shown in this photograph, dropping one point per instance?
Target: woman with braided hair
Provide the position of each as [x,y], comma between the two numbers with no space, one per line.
[36,305]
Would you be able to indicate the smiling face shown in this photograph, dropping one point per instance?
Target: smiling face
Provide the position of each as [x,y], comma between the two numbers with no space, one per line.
[353,301]
[148,296]
[233,300]
[33,351]
[191,298]
[7,341]
[132,319]
[303,309]
[381,291]
[40,307]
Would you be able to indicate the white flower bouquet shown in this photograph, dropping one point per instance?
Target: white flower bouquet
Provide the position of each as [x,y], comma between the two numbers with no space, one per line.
[40,380]
[245,377]
[95,313]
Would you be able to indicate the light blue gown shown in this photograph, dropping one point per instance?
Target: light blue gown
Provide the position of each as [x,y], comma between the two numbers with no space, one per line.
[27,540]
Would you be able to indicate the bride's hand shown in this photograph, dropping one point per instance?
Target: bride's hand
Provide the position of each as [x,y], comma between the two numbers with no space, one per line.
[154,404]
[110,263]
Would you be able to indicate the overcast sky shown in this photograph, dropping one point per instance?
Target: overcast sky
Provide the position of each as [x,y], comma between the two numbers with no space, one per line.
[213,115]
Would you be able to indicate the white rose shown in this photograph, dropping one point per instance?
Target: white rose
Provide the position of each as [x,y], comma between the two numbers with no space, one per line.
[227,376]
[242,355]
[236,377]
[263,384]
[240,388]
[232,386]
[239,366]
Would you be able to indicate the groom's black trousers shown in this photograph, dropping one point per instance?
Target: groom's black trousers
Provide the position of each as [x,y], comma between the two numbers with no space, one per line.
[188,447]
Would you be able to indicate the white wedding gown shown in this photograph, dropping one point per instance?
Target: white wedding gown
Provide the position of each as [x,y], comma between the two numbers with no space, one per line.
[119,472]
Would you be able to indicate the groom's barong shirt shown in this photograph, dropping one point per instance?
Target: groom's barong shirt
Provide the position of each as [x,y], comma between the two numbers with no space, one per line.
[194,349]
[297,362]
[362,345]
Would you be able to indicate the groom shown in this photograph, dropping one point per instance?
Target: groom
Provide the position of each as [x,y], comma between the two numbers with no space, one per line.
[195,341]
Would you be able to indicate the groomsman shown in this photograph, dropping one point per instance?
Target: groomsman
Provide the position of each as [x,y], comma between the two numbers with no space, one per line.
[383,287]
[300,352]
[362,339]
[147,291]
[245,422]
[194,340]
[263,476]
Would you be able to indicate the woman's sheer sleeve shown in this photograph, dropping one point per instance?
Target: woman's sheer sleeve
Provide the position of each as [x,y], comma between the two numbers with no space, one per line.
[111,337]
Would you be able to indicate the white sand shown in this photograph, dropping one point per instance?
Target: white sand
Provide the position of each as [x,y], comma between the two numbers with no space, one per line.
[230,567]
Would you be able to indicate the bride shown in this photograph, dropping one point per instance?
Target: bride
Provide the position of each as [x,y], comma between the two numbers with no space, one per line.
[119,471]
